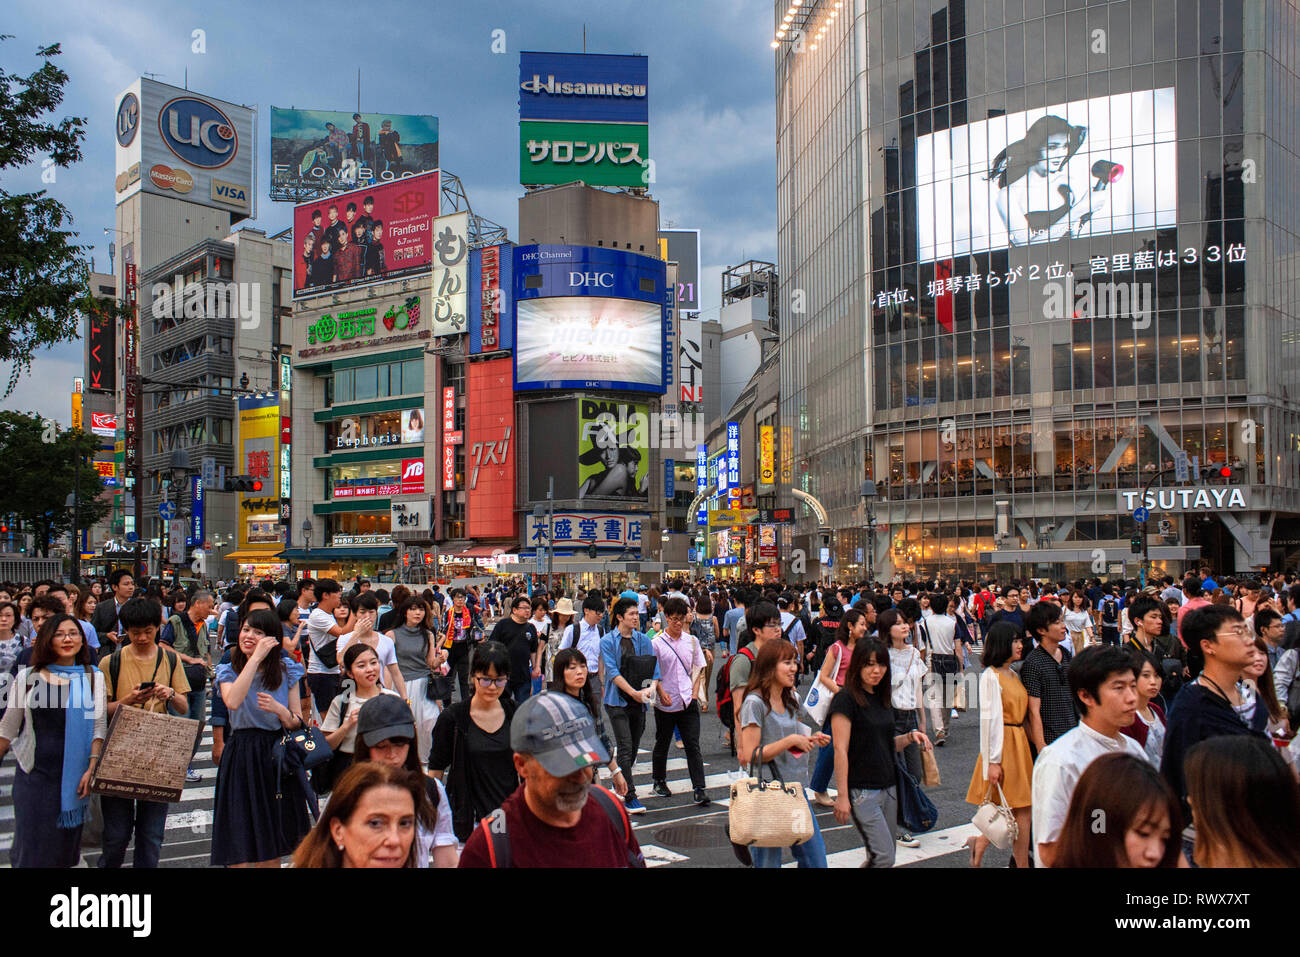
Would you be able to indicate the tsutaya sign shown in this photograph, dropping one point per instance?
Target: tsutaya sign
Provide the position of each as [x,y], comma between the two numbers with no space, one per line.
[1186,499]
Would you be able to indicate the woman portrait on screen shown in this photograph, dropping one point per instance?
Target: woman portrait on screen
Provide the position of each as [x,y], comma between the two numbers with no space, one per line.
[1036,198]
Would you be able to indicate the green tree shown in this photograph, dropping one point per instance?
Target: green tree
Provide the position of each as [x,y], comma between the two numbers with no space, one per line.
[41,473]
[44,273]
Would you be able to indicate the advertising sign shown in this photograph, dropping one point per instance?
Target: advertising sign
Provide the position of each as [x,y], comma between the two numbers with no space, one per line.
[766,456]
[314,151]
[412,476]
[682,246]
[412,426]
[197,532]
[767,543]
[106,471]
[101,352]
[489,455]
[258,516]
[76,410]
[599,154]
[589,343]
[669,480]
[731,517]
[701,479]
[145,756]
[589,87]
[577,529]
[490,273]
[613,450]
[411,516]
[178,143]
[1077,169]
[346,330]
[365,236]
[450,274]
[733,454]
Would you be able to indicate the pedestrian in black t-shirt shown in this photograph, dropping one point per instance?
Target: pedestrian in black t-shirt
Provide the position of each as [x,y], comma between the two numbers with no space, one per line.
[520,639]
[862,733]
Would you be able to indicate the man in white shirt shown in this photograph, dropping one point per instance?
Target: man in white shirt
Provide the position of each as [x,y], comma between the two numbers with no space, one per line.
[791,626]
[588,640]
[643,606]
[322,634]
[938,634]
[1103,681]
[363,630]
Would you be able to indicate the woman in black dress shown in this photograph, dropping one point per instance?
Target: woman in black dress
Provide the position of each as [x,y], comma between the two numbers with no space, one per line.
[56,727]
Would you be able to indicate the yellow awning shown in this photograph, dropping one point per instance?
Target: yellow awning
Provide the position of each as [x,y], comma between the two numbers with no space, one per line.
[269,557]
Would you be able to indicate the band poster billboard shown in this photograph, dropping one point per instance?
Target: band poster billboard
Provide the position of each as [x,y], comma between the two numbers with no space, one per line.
[365,236]
[314,151]
[613,450]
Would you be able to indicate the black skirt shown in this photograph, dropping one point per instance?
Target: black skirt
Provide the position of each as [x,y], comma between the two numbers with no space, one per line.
[249,824]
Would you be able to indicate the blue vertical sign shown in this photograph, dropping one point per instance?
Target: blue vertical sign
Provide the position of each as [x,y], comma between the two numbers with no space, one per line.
[701,480]
[669,489]
[197,516]
[733,454]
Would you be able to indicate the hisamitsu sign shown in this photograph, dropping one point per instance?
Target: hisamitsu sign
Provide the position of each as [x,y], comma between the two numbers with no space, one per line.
[1188,499]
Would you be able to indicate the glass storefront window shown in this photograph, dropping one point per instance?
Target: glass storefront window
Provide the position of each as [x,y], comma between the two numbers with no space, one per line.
[358,528]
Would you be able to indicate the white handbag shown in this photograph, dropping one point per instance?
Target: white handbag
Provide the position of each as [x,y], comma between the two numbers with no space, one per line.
[767,814]
[818,702]
[995,821]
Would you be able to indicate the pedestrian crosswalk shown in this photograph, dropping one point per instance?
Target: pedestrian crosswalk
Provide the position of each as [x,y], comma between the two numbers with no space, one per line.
[187,840]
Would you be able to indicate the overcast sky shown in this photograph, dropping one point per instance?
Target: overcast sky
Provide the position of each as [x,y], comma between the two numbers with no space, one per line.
[711,102]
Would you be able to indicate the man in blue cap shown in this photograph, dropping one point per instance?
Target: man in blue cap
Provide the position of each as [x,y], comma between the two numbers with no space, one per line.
[557,817]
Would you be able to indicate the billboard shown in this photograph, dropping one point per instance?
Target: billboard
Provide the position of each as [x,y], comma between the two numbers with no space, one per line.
[490,272]
[101,352]
[257,519]
[360,326]
[450,275]
[180,144]
[583,117]
[682,246]
[766,456]
[613,450]
[489,450]
[578,529]
[599,154]
[365,236]
[588,318]
[328,151]
[103,424]
[1083,168]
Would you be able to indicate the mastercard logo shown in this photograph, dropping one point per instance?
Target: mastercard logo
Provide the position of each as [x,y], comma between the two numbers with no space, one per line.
[164,177]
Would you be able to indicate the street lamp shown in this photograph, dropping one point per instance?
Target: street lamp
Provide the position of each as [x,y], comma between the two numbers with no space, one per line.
[868,493]
[73,544]
[306,534]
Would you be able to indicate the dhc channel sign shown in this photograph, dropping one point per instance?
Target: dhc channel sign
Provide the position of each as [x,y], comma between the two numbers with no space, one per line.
[198,132]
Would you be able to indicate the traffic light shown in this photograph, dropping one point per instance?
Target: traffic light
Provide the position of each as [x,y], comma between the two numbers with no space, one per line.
[1224,474]
[428,558]
[1135,544]
[243,483]
[406,559]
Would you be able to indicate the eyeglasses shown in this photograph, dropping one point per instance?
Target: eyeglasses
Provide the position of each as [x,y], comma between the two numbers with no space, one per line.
[1239,631]
[489,682]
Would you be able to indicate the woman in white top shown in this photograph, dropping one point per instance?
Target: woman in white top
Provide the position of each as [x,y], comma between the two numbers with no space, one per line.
[1078,621]
[361,664]
[906,669]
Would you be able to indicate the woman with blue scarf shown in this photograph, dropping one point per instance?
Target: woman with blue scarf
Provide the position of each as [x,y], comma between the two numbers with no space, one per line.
[56,726]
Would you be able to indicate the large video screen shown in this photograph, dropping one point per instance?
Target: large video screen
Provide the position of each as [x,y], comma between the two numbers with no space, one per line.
[589,342]
[1084,168]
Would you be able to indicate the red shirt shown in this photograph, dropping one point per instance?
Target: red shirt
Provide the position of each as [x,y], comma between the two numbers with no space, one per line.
[593,842]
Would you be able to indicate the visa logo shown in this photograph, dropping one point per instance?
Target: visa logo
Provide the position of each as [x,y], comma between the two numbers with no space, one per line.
[233,194]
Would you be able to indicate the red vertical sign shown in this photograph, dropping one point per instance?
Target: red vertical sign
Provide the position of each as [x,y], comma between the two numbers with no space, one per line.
[489,449]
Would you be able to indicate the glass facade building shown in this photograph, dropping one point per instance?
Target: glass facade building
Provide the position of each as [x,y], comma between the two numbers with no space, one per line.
[1031,250]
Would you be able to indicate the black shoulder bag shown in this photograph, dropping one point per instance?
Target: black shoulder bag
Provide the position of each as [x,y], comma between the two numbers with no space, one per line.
[637,670]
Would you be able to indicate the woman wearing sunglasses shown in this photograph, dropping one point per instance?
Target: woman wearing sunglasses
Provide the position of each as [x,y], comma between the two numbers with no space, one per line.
[471,742]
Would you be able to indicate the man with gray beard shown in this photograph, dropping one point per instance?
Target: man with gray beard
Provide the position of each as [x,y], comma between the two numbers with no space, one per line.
[557,817]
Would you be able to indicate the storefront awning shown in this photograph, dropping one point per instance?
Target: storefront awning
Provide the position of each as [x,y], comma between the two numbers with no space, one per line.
[345,552]
[248,557]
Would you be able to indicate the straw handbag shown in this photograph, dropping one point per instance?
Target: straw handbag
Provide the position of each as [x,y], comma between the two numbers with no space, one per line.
[768,814]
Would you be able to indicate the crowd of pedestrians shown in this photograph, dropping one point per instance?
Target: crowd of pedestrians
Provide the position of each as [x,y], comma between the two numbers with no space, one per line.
[501,727]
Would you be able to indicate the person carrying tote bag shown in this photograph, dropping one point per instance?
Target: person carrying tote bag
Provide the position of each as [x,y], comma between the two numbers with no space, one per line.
[770,713]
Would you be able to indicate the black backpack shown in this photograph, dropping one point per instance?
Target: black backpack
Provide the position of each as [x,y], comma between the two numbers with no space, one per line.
[1109,610]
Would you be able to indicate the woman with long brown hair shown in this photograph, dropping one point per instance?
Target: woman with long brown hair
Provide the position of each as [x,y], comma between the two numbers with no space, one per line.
[1122,814]
[769,723]
[1245,801]
[1257,684]
[369,822]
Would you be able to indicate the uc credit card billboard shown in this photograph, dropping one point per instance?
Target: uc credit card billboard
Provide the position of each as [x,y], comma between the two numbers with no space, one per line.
[365,236]
[583,116]
[588,318]
[185,145]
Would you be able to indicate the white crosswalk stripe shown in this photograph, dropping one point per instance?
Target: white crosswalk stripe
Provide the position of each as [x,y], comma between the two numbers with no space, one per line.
[933,844]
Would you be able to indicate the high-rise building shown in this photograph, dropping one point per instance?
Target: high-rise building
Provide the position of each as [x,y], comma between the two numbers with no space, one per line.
[1032,254]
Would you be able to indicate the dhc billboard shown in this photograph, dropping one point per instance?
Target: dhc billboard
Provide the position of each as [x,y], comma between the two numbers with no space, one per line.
[588,317]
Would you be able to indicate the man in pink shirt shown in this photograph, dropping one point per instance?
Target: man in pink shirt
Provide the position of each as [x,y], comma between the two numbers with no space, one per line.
[1195,599]
[681,663]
